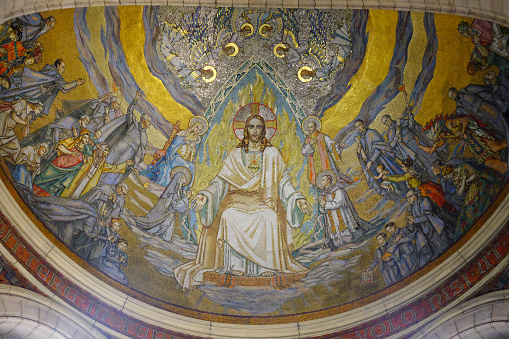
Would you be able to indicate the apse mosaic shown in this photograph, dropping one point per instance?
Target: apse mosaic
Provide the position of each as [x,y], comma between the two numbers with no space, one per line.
[254,162]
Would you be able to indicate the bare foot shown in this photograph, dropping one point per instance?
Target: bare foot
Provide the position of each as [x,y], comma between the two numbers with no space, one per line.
[237,273]
[267,274]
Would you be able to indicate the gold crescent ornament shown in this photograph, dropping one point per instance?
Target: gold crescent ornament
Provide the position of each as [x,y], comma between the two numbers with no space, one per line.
[260,30]
[214,73]
[299,73]
[235,49]
[283,47]
[248,25]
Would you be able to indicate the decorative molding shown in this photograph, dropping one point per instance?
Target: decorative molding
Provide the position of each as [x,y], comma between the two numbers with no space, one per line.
[23,312]
[491,10]
[486,316]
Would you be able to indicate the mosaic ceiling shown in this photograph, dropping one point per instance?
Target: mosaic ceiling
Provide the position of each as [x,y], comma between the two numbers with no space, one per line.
[249,163]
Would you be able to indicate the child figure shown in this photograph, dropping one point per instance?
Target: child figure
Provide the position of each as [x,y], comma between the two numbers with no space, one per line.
[387,184]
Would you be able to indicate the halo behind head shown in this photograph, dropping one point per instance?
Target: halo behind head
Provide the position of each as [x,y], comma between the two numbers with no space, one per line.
[184,170]
[203,123]
[309,119]
[325,173]
[240,118]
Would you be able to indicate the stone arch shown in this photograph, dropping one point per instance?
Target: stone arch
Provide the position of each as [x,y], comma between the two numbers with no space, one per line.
[26,314]
[486,317]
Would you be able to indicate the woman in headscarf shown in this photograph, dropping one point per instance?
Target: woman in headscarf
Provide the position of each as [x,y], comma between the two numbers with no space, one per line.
[28,164]
[161,218]
[18,112]
[180,151]
[72,154]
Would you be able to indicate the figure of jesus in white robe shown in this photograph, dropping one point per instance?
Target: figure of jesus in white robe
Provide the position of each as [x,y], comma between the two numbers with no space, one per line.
[250,209]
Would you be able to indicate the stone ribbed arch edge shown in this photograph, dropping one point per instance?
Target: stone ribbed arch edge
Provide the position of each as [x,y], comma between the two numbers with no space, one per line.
[491,10]
[23,312]
[486,316]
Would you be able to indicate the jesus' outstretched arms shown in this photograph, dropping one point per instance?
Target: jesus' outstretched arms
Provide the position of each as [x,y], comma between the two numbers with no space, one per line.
[248,212]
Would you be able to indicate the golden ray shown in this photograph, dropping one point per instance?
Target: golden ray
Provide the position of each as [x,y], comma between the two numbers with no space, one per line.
[381,27]
[132,36]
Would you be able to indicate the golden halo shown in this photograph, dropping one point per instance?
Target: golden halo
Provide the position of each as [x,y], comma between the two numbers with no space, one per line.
[214,73]
[299,73]
[251,28]
[253,108]
[203,123]
[322,174]
[314,119]
[182,169]
[235,47]
[280,45]
[260,30]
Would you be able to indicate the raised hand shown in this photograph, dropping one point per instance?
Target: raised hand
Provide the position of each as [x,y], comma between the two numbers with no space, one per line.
[200,201]
[304,206]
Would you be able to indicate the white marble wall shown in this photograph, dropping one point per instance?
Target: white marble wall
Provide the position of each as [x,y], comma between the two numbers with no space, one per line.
[491,10]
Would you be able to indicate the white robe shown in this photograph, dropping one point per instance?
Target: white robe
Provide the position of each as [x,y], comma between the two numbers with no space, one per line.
[343,224]
[252,212]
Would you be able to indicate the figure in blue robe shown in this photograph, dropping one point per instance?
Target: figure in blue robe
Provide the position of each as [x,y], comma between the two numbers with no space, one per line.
[498,87]
[104,111]
[180,153]
[372,151]
[64,217]
[106,236]
[403,249]
[160,173]
[32,27]
[433,234]
[130,144]
[43,86]
[112,261]
[471,101]
[82,240]
[385,262]
[108,200]
[400,136]
[161,218]
[450,192]
[27,164]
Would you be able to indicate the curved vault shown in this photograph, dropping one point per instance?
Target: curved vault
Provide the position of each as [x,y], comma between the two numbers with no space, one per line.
[200,72]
